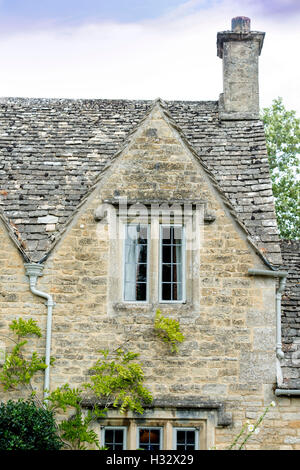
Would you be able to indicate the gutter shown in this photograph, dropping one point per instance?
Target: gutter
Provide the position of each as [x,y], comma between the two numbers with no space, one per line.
[282,275]
[33,270]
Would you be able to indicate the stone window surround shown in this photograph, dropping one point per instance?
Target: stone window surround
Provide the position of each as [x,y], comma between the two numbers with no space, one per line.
[168,413]
[149,427]
[196,430]
[115,276]
[102,437]
[168,421]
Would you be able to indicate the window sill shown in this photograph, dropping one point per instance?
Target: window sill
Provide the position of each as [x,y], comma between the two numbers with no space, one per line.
[151,308]
[133,306]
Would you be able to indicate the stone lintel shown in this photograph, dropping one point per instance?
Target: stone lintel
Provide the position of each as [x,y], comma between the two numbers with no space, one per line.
[185,403]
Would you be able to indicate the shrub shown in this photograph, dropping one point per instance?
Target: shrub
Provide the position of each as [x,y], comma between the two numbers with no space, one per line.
[25,426]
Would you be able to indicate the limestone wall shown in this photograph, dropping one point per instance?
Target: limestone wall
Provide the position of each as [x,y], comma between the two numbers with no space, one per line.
[228,319]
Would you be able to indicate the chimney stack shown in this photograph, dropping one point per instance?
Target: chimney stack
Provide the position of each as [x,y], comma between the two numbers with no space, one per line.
[239,49]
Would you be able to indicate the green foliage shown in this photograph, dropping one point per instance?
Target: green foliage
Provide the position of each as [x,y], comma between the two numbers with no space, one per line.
[17,370]
[282,129]
[25,426]
[248,430]
[24,328]
[168,330]
[63,398]
[116,380]
[76,431]
[119,381]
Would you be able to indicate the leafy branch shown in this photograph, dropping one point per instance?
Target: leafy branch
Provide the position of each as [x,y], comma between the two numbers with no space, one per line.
[17,370]
[116,381]
[168,330]
[282,130]
[250,429]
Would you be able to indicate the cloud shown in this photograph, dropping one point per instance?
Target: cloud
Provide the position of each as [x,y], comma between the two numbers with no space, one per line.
[173,56]
[277,7]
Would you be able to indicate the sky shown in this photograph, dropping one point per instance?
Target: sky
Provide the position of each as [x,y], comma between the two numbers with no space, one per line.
[141,49]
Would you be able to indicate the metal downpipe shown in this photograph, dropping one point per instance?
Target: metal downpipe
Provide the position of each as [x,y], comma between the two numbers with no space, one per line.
[34,270]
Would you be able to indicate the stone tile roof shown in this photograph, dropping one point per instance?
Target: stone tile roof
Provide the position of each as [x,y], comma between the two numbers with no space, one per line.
[52,151]
[291,314]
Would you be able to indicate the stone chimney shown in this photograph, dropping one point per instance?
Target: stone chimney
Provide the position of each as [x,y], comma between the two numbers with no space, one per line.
[239,49]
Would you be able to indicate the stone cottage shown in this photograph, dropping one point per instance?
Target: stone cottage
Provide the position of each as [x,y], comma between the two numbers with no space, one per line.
[111,209]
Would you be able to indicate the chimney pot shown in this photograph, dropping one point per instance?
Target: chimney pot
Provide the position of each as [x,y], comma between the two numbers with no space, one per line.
[240,24]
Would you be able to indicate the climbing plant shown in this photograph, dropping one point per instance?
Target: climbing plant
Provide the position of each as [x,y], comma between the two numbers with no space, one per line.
[116,380]
[168,330]
[17,370]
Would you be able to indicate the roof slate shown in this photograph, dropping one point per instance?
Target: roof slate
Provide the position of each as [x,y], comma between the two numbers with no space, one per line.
[291,314]
[53,150]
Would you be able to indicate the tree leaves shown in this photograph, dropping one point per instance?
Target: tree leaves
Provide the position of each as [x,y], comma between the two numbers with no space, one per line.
[282,130]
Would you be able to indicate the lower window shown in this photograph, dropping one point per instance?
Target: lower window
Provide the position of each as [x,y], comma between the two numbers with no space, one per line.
[114,438]
[149,438]
[176,436]
[186,439]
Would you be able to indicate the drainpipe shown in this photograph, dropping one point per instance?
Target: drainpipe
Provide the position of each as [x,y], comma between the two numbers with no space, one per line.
[282,275]
[33,270]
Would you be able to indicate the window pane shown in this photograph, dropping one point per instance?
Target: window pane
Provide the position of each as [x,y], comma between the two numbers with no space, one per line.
[166,292]
[177,291]
[154,436]
[180,447]
[166,254]
[130,252]
[109,435]
[166,235]
[166,273]
[141,291]
[177,235]
[144,436]
[190,437]
[177,273]
[141,275]
[119,436]
[130,291]
[180,437]
[135,259]
[142,233]
[185,439]
[141,253]
[172,263]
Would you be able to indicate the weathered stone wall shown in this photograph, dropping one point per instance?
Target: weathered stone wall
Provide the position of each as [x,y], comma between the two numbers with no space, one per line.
[228,320]
[16,301]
